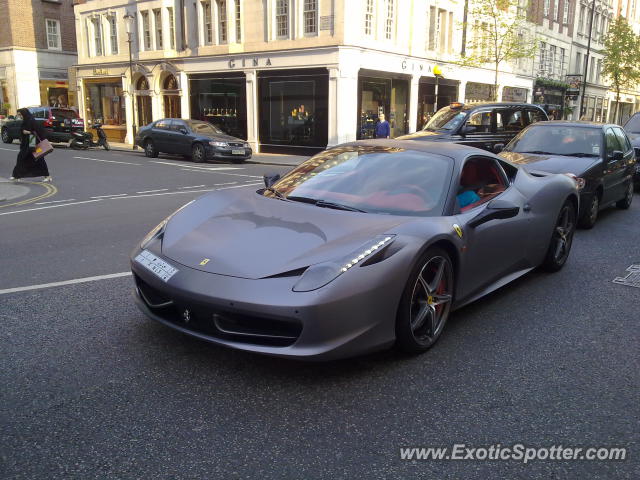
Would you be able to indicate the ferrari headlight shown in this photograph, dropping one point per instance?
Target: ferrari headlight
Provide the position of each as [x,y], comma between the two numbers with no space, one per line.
[319,275]
[158,230]
[219,144]
[154,233]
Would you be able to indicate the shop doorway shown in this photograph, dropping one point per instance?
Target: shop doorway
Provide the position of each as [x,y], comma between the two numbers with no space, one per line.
[428,105]
[143,100]
[171,97]
[379,95]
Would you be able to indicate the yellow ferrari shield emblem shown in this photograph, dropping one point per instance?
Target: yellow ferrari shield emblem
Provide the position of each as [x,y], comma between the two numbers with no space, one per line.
[458,230]
[205,261]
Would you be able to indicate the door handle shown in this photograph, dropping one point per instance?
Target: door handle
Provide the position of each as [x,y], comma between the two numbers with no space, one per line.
[526,207]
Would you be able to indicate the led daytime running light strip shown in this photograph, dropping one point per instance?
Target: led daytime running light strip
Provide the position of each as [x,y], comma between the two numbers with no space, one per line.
[365,254]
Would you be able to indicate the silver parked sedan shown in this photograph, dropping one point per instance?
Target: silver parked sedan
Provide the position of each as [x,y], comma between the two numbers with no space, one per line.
[363,246]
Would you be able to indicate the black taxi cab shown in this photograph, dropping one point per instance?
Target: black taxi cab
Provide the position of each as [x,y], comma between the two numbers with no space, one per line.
[489,126]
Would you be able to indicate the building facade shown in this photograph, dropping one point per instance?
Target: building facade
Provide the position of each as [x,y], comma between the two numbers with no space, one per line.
[283,74]
[37,47]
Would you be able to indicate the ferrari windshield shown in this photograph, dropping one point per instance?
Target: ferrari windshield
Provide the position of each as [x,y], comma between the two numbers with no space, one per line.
[446,119]
[204,128]
[370,179]
[575,141]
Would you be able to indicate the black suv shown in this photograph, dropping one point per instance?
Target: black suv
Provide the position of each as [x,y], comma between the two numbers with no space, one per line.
[58,124]
[489,126]
[632,127]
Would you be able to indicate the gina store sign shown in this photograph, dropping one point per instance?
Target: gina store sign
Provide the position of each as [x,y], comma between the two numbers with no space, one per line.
[249,62]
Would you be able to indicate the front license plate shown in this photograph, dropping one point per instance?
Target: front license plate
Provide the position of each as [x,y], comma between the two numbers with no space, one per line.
[237,152]
[162,269]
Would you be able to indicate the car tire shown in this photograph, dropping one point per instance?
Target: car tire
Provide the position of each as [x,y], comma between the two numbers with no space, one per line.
[625,203]
[561,238]
[426,302]
[6,138]
[150,149]
[590,215]
[198,154]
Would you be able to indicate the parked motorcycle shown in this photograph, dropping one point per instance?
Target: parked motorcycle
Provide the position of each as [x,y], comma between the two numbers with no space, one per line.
[84,140]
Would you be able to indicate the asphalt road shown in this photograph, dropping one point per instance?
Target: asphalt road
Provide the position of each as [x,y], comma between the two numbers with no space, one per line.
[92,389]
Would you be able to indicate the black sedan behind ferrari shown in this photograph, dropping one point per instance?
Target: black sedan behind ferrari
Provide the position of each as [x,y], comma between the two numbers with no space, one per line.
[600,156]
[195,139]
[632,127]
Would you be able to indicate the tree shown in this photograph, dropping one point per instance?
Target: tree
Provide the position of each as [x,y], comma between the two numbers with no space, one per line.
[621,62]
[499,34]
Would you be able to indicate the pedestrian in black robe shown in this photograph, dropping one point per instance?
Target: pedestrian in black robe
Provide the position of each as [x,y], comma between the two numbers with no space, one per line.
[27,165]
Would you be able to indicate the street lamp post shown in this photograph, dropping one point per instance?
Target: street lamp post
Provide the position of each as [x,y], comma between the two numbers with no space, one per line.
[586,59]
[128,18]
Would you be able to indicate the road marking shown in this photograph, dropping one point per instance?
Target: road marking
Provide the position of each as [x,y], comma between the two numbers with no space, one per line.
[111,196]
[107,161]
[159,190]
[57,201]
[221,173]
[195,186]
[228,183]
[156,194]
[63,283]
[51,206]
[10,149]
[50,191]
[182,165]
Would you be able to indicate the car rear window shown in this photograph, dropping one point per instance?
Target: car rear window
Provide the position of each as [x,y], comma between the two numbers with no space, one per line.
[63,113]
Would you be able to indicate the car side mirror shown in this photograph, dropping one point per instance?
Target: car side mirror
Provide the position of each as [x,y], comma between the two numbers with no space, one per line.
[496,209]
[269,180]
[616,155]
[183,131]
[498,147]
[467,129]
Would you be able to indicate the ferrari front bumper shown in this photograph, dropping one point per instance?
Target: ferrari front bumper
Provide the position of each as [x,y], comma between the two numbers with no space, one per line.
[352,315]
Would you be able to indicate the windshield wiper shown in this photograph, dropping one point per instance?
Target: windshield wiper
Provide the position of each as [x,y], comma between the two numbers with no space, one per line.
[277,193]
[578,154]
[324,203]
[337,206]
[538,152]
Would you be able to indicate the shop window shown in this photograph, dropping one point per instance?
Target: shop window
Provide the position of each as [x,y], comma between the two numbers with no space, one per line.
[143,100]
[382,96]
[53,34]
[105,102]
[171,97]
[220,101]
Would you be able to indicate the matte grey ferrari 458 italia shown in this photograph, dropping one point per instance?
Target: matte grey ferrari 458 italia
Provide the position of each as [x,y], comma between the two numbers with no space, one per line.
[363,246]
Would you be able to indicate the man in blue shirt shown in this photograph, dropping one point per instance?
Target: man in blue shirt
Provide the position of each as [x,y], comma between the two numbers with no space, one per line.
[383,129]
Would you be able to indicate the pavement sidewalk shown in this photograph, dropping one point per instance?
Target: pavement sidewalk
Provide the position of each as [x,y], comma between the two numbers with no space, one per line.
[10,190]
[257,158]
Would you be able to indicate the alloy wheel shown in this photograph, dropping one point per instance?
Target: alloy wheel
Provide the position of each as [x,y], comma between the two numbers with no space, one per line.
[431,300]
[5,136]
[198,153]
[563,234]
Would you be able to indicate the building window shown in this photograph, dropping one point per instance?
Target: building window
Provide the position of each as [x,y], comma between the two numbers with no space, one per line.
[238,22]
[578,62]
[388,25]
[562,61]
[581,20]
[157,19]
[450,35]
[598,68]
[595,30]
[368,18]
[282,18]
[310,13]
[207,28]
[222,21]
[146,30]
[547,5]
[53,34]
[552,60]
[172,28]
[113,34]
[433,35]
[97,36]
[542,67]
[565,12]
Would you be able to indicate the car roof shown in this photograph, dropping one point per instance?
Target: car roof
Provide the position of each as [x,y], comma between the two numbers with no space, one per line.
[574,123]
[469,106]
[454,151]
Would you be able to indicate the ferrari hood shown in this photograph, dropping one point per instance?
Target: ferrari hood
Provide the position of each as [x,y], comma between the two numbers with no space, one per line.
[425,135]
[550,163]
[243,234]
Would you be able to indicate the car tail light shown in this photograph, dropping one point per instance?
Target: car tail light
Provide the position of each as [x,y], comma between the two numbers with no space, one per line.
[49,121]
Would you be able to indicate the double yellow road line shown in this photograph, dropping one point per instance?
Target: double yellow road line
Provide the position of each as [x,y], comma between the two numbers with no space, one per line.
[50,191]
